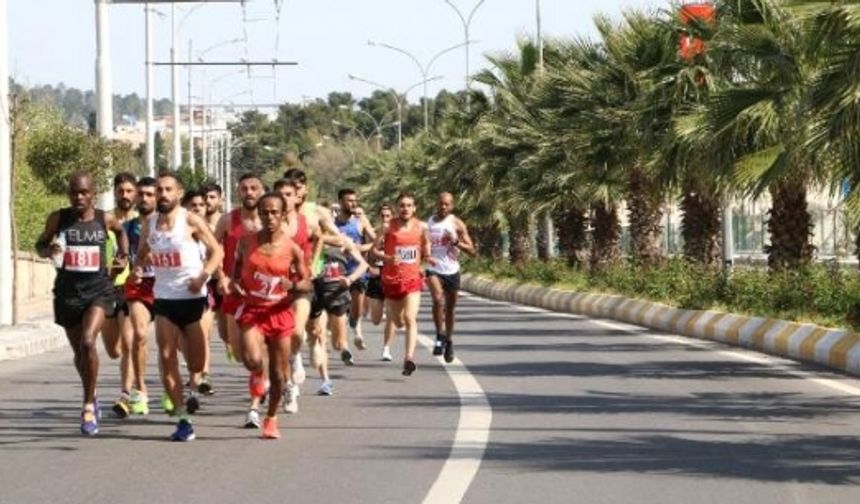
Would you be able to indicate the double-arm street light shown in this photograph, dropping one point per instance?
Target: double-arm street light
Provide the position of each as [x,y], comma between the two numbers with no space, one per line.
[398,98]
[424,69]
[467,26]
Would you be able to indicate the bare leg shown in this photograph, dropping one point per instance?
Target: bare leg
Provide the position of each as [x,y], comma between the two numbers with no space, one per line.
[167,335]
[450,305]
[317,343]
[139,316]
[126,342]
[279,369]
[376,309]
[410,309]
[438,296]
[94,318]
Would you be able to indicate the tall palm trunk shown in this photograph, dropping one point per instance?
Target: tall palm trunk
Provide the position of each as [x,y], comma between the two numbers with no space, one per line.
[520,238]
[606,240]
[645,209]
[700,221]
[542,238]
[790,226]
[572,231]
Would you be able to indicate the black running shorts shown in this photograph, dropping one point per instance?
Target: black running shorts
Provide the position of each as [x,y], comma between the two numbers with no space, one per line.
[69,310]
[335,302]
[450,283]
[181,312]
[374,288]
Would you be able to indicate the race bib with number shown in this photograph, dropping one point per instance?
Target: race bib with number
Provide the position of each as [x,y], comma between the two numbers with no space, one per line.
[267,287]
[169,259]
[82,258]
[407,255]
[332,271]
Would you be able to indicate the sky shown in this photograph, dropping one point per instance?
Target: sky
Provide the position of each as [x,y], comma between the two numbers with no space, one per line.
[53,41]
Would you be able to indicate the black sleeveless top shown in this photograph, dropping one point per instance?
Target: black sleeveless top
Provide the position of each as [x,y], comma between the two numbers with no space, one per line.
[84,273]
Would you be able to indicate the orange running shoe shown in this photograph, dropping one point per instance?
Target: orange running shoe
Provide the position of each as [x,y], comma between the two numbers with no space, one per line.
[257,384]
[270,428]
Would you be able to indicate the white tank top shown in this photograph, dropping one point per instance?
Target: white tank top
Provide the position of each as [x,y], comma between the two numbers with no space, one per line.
[175,259]
[446,255]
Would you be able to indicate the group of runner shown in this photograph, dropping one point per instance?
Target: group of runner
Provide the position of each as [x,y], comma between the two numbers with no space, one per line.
[272,275]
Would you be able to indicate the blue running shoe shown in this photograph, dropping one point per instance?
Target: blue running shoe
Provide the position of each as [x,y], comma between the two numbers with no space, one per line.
[89,423]
[184,431]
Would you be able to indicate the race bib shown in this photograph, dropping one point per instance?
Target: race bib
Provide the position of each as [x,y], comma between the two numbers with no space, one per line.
[170,259]
[407,255]
[82,258]
[332,271]
[267,287]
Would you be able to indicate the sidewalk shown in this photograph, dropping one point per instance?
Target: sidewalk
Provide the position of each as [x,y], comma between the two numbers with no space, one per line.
[36,334]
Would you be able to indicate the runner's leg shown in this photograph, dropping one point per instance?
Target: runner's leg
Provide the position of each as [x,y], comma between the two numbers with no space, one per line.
[410,318]
[140,317]
[94,318]
[168,336]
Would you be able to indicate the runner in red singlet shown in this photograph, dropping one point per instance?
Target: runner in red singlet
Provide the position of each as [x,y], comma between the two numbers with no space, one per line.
[271,268]
[403,248]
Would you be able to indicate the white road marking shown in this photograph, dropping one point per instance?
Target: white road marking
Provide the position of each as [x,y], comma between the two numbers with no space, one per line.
[783,365]
[470,441]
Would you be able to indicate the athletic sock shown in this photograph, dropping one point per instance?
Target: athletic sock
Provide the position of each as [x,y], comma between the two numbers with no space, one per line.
[353,322]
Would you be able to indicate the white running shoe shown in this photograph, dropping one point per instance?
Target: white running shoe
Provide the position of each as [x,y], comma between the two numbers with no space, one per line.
[291,399]
[326,389]
[386,354]
[252,421]
[358,339]
[297,368]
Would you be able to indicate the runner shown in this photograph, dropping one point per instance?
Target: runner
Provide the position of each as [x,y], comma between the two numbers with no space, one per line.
[140,298]
[169,241]
[404,246]
[317,218]
[269,269]
[195,202]
[448,237]
[213,194]
[117,332]
[229,231]
[332,296]
[375,297]
[76,239]
[306,235]
[359,230]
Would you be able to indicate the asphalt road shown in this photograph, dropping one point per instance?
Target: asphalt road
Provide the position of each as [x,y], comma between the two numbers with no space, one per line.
[582,412]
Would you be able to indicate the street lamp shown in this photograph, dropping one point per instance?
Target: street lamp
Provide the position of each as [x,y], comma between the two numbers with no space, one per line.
[467,25]
[397,98]
[424,69]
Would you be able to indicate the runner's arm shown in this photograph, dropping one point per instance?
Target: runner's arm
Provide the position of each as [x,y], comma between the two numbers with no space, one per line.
[220,234]
[330,233]
[121,238]
[361,269]
[214,253]
[426,254]
[464,240]
[236,274]
[369,235]
[304,283]
[44,247]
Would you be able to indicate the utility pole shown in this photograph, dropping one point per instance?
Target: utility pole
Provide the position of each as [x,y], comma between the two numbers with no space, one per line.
[548,232]
[104,87]
[7,268]
[191,161]
[228,169]
[176,152]
[150,88]
[467,26]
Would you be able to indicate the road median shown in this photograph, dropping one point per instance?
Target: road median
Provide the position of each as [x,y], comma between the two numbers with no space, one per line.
[834,348]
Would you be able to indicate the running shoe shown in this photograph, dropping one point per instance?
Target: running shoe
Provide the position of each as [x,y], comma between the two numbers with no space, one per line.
[291,399]
[121,407]
[231,357]
[89,423]
[270,428]
[409,367]
[386,354]
[252,421]
[205,386]
[257,384]
[346,357]
[439,347]
[297,368]
[358,340]
[184,431]
[139,403]
[167,404]
[326,389]
[192,404]
[449,351]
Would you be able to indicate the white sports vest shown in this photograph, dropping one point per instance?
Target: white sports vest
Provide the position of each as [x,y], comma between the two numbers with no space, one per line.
[175,259]
[442,233]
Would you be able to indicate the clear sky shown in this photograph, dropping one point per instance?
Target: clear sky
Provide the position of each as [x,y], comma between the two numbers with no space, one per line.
[53,41]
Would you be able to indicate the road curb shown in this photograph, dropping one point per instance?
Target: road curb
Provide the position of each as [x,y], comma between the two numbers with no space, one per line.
[833,348]
[30,339]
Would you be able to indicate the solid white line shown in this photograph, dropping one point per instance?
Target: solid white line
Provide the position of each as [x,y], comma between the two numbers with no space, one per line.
[780,364]
[470,441]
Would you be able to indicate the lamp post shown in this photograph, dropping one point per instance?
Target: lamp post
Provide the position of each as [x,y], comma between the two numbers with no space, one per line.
[397,98]
[467,25]
[424,69]
[7,268]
